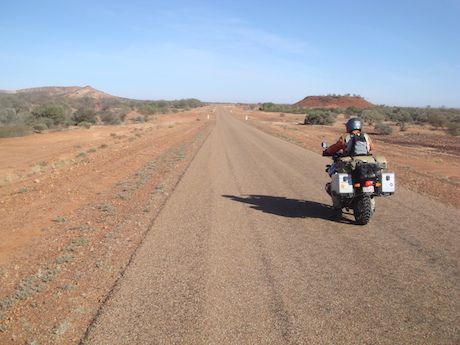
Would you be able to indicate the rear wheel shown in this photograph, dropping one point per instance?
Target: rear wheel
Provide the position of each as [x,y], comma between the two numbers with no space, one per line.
[363,210]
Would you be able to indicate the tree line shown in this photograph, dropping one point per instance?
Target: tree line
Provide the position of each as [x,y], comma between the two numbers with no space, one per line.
[22,113]
[440,118]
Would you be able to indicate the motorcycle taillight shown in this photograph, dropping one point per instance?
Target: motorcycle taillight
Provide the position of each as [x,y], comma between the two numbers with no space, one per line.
[368,183]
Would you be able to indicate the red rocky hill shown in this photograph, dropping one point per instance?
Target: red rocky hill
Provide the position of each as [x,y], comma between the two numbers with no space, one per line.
[334,102]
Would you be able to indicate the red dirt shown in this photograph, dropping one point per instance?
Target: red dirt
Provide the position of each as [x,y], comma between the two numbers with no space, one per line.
[74,206]
[333,102]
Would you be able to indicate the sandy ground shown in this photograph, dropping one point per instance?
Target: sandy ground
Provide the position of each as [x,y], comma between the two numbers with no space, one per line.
[75,205]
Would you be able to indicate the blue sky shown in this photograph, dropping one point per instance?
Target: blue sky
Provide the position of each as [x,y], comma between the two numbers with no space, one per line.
[397,53]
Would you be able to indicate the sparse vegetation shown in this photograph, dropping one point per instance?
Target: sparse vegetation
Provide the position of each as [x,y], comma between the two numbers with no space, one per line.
[453,128]
[438,118]
[36,111]
[320,117]
[14,130]
[84,115]
[86,125]
[372,116]
[383,128]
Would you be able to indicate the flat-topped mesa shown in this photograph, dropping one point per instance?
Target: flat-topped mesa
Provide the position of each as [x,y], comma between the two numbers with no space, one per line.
[334,102]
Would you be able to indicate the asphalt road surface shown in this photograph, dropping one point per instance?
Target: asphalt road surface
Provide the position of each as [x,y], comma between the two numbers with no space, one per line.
[244,252]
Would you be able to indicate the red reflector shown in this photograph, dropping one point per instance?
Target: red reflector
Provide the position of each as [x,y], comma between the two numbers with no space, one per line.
[368,183]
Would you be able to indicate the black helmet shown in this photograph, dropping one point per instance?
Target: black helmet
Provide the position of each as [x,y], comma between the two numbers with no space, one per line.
[354,124]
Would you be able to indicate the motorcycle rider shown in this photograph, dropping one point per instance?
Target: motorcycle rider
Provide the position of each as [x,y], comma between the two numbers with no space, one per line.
[354,127]
[350,146]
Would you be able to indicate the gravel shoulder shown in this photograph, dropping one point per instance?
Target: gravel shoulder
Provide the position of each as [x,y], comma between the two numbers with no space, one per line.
[74,206]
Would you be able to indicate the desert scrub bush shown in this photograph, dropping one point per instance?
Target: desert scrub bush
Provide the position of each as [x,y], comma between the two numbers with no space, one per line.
[139,119]
[28,287]
[371,116]
[77,243]
[56,112]
[453,129]
[110,118]
[84,124]
[84,115]
[320,117]
[402,126]
[5,304]
[12,130]
[38,167]
[47,275]
[81,154]
[40,127]
[383,128]
[64,259]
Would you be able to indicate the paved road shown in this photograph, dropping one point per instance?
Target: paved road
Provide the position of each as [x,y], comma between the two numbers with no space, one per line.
[244,253]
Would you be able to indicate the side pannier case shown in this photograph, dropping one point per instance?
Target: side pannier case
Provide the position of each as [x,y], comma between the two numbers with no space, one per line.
[388,183]
[342,184]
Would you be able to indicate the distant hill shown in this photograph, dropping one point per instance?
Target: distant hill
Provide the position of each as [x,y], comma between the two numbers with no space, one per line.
[62,91]
[334,102]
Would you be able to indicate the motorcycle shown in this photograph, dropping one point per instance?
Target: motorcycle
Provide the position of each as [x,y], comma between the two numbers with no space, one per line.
[356,181]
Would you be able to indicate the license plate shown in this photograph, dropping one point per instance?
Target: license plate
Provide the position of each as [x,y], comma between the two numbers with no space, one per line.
[369,189]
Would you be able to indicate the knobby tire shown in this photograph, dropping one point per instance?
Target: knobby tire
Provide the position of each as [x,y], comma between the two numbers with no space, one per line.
[363,210]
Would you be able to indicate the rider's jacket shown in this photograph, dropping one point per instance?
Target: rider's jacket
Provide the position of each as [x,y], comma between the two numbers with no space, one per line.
[345,139]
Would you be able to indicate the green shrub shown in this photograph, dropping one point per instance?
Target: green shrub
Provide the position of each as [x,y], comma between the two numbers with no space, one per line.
[453,129]
[85,124]
[402,126]
[87,115]
[437,120]
[40,127]
[371,116]
[320,117]
[9,131]
[56,112]
[139,119]
[109,117]
[383,128]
